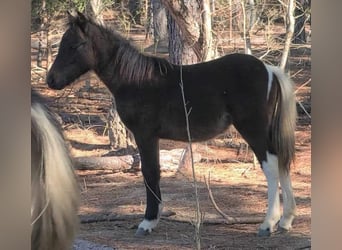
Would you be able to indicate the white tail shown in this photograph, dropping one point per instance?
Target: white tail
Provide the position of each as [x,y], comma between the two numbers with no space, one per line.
[54,190]
[283,122]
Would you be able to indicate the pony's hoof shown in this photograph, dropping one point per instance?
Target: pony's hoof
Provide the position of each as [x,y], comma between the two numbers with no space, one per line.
[141,232]
[264,232]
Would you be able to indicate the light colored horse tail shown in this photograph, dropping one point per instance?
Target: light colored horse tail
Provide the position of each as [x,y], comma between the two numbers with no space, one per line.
[283,121]
[54,190]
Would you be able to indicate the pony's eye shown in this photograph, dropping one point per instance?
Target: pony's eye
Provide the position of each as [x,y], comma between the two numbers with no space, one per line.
[76,46]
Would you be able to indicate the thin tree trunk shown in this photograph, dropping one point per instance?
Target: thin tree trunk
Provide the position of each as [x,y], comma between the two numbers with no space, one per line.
[41,33]
[245,32]
[159,24]
[249,19]
[134,7]
[207,46]
[299,29]
[290,23]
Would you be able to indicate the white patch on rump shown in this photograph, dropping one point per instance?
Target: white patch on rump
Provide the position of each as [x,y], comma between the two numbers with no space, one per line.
[270,79]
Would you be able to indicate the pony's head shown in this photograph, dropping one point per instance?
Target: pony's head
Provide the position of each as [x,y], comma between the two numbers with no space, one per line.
[75,55]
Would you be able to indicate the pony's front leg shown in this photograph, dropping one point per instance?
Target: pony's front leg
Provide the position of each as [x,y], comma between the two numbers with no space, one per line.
[271,171]
[149,154]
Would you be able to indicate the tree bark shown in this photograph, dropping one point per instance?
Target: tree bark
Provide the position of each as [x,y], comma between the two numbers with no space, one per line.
[189,22]
[184,33]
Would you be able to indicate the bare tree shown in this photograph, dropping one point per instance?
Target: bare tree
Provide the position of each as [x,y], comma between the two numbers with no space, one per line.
[42,31]
[290,23]
[249,19]
[300,20]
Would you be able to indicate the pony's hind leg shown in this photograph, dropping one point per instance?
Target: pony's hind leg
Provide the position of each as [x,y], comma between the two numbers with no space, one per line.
[289,203]
[271,171]
[255,133]
[149,153]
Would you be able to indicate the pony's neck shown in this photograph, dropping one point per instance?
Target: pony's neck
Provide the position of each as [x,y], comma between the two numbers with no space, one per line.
[118,62]
[105,49]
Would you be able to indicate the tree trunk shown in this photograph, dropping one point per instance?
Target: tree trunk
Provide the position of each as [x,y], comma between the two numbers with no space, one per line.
[249,15]
[184,33]
[208,50]
[290,23]
[160,32]
[94,9]
[119,136]
[43,24]
[134,7]
[299,29]
[188,24]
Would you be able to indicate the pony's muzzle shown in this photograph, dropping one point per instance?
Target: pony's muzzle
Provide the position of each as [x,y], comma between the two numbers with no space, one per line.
[51,82]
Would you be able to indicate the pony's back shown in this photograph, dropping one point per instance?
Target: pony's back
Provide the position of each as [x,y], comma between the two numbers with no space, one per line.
[54,190]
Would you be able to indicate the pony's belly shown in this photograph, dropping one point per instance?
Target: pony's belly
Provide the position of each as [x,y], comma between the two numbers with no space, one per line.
[200,130]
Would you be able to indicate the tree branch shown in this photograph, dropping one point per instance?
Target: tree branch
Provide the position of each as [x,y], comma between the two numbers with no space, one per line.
[228,219]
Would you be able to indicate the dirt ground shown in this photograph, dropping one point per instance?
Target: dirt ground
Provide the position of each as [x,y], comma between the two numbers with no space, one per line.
[239,189]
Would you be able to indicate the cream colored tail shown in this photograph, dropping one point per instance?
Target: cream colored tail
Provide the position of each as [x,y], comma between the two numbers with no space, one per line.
[54,190]
[283,122]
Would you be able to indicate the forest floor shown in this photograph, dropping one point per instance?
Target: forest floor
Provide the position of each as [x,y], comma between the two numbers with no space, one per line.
[239,189]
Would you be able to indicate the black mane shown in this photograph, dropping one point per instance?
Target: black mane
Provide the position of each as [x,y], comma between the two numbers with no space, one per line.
[131,64]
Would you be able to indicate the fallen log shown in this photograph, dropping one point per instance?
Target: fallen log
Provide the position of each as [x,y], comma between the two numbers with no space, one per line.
[169,160]
[115,163]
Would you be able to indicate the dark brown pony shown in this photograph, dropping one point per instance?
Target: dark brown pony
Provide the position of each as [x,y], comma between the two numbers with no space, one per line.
[54,190]
[235,89]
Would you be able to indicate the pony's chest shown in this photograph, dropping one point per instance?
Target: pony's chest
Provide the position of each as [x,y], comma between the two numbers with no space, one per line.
[137,107]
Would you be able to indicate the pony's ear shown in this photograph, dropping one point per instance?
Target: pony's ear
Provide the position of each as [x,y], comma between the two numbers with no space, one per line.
[76,17]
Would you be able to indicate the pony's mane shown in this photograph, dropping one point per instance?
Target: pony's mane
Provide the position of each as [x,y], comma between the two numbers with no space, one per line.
[132,65]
